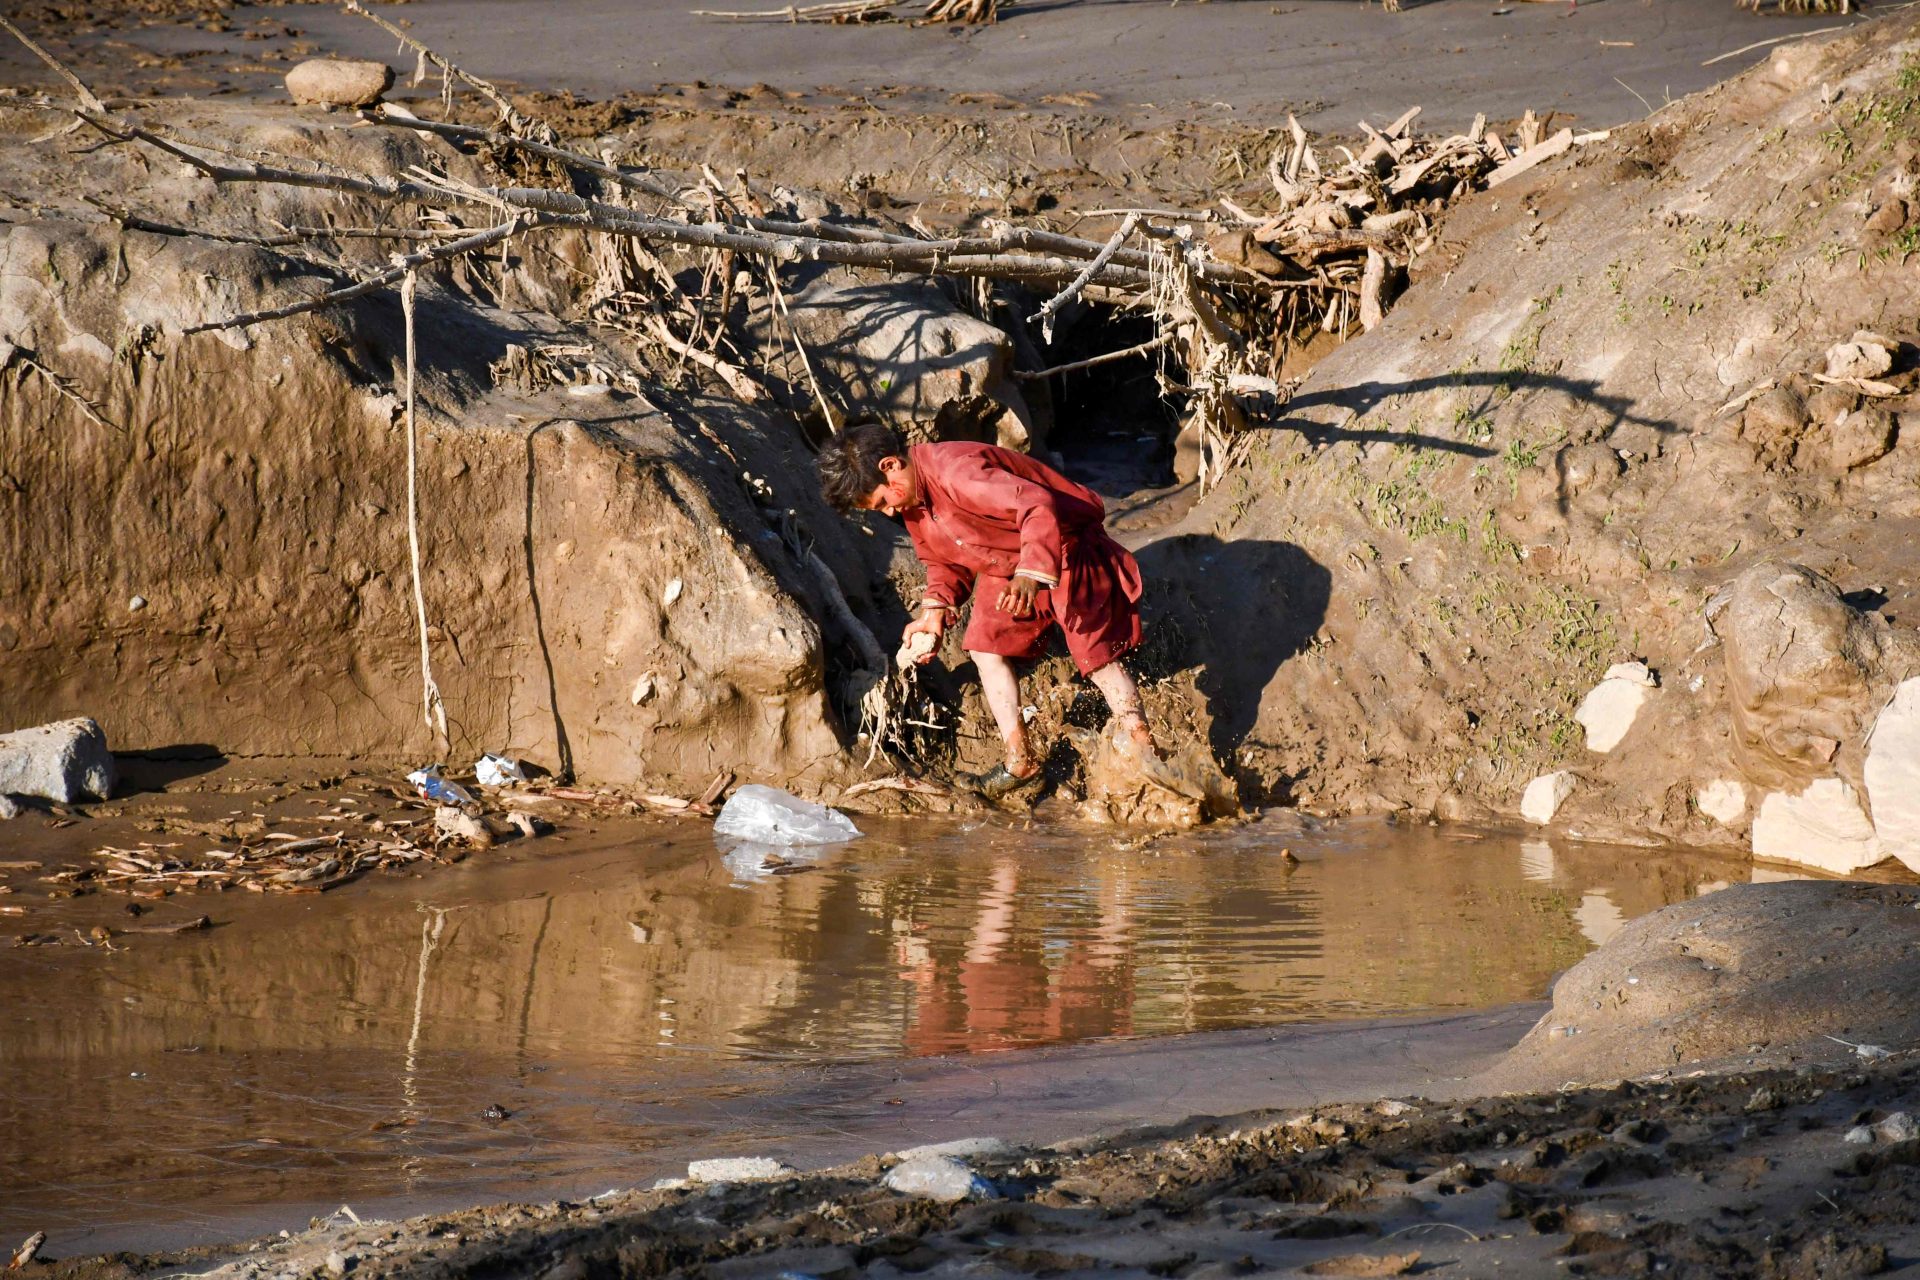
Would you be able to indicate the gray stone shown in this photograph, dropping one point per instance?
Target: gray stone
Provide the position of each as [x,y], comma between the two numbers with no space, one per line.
[936,1178]
[739,1169]
[1898,1127]
[1861,437]
[1610,707]
[1892,774]
[9,808]
[962,1148]
[1823,826]
[1858,1136]
[904,352]
[339,82]
[1867,356]
[1724,800]
[63,762]
[1545,795]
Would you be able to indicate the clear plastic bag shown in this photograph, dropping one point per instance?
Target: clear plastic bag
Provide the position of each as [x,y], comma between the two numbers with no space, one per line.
[767,815]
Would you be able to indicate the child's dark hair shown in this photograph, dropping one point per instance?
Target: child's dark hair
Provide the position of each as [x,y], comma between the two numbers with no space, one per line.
[849,463]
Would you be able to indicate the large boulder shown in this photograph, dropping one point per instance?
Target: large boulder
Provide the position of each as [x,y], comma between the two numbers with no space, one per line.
[904,353]
[1892,773]
[1784,972]
[1803,668]
[64,762]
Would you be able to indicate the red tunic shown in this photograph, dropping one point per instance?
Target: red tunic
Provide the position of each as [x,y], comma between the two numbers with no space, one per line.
[987,514]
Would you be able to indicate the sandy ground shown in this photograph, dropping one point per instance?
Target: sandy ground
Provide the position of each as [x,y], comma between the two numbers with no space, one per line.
[1604,62]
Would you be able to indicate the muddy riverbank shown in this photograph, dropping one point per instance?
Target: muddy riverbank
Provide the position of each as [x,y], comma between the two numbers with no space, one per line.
[627,994]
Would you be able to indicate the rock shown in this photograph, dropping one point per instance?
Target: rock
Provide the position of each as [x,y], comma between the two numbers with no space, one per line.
[337,1264]
[63,762]
[1724,800]
[1774,422]
[1544,796]
[959,1148]
[1892,774]
[1823,826]
[1888,218]
[136,604]
[1829,404]
[1859,438]
[1804,671]
[1783,964]
[904,352]
[739,1169]
[936,1178]
[1898,1127]
[339,82]
[1392,1107]
[1609,709]
[457,824]
[1858,1136]
[9,808]
[1863,357]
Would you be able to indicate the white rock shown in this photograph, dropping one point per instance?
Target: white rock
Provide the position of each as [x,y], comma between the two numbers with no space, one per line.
[136,604]
[1824,827]
[457,825]
[590,390]
[9,808]
[63,762]
[339,82]
[1724,800]
[1864,357]
[935,1178]
[739,1169]
[681,1184]
[1893,774]
[961,1148]
[1544,796]
[1898,1127]
[1858,1136]
[1392,1107]
[1609,709]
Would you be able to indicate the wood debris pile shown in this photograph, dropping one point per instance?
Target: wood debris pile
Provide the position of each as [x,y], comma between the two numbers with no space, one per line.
[1343,234]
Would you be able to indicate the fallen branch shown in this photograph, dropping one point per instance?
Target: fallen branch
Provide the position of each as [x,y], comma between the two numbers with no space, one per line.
[398,271]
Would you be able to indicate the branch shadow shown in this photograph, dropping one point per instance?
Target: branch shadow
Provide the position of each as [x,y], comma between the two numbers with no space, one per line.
[1496,386]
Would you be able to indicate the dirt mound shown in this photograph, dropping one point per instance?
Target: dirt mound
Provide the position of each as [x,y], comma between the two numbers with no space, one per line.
[616,582]
[1606,396]
[1779,973]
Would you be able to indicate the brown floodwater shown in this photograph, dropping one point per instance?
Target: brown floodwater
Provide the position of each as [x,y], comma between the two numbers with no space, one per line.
[544,1024]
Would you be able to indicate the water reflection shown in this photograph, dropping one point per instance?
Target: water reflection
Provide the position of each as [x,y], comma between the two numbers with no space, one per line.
[549,1017]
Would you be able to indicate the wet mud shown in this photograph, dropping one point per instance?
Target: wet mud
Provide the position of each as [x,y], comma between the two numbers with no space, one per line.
[583,1009]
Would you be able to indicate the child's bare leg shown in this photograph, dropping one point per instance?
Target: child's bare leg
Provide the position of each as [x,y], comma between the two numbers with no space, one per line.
[1002,689]
[1116,684]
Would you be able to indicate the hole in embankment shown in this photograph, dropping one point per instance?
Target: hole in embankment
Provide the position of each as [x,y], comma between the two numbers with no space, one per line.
[1112,428]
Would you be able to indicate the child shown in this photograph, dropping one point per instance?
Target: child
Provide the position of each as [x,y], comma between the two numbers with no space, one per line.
[1028,545]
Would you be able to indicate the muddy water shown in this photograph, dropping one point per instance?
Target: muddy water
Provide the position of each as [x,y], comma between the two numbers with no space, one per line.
[560,1022]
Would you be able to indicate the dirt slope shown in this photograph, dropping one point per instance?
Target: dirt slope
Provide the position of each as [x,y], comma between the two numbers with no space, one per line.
[1527,475]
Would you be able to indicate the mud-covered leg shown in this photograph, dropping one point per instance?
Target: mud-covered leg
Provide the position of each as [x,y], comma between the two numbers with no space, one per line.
[1116,684]
[1002,689]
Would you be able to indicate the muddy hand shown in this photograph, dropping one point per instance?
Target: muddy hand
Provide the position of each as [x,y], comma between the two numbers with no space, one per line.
[1017,600]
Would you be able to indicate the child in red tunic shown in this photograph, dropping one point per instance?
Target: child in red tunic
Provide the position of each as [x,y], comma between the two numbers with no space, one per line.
[1027,544]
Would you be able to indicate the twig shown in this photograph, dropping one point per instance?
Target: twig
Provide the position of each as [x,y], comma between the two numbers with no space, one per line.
[508,111]
[1152,344]
[402,267]
[9,352]
[403,119]
[743,385]
[1761,44]
[74,82]
[1046,313]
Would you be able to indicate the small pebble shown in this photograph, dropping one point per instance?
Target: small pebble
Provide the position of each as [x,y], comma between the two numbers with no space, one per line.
[1858,1136]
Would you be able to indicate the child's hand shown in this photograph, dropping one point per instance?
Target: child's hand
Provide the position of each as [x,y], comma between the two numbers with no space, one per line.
[1017,600]
[921,637]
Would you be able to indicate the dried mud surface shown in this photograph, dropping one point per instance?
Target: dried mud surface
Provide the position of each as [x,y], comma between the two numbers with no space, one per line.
[1741,1174]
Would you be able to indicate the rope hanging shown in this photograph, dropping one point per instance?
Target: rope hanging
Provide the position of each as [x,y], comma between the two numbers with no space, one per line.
[433,710]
